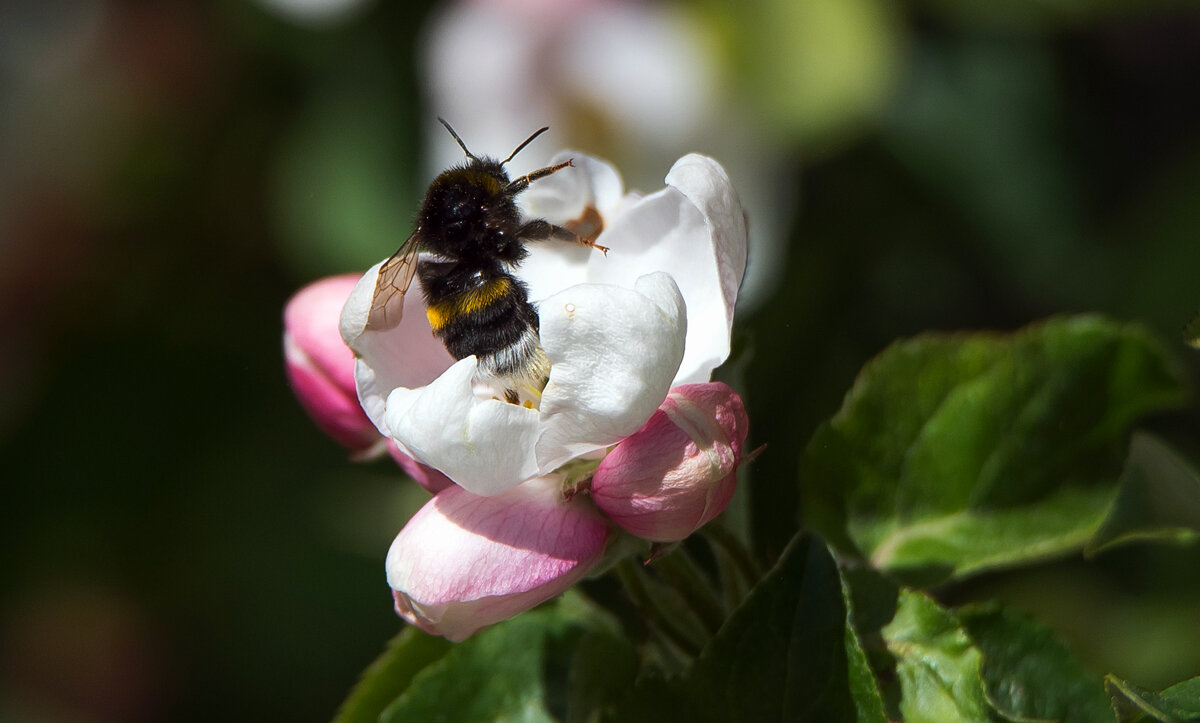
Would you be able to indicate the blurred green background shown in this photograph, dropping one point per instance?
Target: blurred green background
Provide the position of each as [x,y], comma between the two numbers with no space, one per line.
[178,541]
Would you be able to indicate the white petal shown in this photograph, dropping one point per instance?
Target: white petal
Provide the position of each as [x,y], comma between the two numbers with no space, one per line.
[695,230]
[407,356]
[563,196]
[706,185]
[614,352]
[554,265]
[486,446]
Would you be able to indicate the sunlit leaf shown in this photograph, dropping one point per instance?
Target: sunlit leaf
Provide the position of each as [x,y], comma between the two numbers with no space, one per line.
[984,664]
[939,668]
[958,453]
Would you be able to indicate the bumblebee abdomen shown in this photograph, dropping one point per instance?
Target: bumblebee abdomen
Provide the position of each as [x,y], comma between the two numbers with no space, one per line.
[471,302]
[489,320]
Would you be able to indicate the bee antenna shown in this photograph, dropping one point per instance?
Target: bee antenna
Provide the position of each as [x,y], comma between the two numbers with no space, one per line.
[460,142]
[528,140]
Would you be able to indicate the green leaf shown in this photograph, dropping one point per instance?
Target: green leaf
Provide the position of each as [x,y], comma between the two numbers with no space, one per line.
[864,688]
[958,453]
[789,652]
[983,663]
[522,670]
[1028,674]
[1159,498]
[604,666]
[389,676]
[874,597]
[1177,704]
[939,668]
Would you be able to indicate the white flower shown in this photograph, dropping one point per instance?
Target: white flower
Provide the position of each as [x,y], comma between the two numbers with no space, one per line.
[619,330]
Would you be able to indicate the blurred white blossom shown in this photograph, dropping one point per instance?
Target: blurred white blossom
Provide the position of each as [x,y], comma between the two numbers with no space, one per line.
[316,13]
[640,83]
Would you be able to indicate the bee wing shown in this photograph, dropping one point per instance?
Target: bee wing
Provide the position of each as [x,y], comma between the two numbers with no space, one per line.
[395,276]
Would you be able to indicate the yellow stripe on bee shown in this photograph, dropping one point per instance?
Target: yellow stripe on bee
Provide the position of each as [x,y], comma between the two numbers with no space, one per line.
[468,302]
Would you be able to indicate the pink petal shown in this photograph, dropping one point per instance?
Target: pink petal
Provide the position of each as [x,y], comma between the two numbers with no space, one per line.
[319,365]
[464,562]
[680,470]
[422,474]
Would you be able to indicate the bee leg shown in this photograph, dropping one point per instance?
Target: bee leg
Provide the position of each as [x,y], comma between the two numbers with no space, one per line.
[520,184]
[540,230]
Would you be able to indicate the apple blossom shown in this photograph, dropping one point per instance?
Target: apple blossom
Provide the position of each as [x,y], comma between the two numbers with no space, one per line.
[678,471]
[620,330]
[464,561]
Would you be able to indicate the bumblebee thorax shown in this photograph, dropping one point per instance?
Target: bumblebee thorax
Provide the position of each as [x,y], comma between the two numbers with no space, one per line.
[468,212]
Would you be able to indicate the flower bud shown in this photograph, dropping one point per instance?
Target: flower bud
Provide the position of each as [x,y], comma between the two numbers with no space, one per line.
[320,367]
[464,562]
[678,471]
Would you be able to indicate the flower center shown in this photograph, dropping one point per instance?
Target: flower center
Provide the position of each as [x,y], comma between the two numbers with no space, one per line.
[588,226]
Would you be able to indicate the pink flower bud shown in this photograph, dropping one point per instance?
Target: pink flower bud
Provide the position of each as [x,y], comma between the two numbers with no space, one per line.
[678,471]
[464,561]
[320,366]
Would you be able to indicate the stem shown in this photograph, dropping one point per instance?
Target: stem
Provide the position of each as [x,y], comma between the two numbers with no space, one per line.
[728,542]
[731,582]
[692,584]
[630,574]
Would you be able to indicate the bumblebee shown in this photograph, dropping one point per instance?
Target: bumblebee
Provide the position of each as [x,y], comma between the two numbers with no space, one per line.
[469,238]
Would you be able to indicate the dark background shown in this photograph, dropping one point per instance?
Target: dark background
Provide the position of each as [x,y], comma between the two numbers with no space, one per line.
[179,542]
